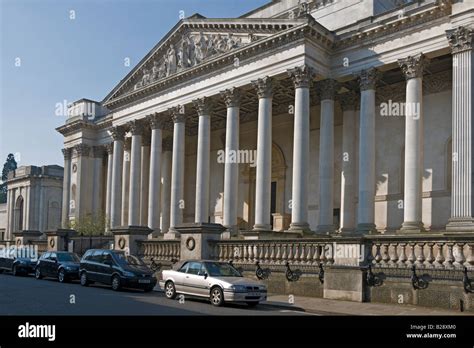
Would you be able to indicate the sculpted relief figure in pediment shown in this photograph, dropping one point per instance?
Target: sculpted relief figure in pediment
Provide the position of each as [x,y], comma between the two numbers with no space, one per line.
[190,51]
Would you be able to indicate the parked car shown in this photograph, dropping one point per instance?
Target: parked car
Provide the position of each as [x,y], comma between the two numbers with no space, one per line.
[17,265]
[117,269]
[218,281]
[58,264]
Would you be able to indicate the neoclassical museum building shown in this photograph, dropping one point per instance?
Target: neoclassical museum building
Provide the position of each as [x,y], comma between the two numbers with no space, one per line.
[316,117]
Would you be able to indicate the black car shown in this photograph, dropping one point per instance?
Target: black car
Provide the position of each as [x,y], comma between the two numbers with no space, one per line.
[117,269]
[17,265]
[58,264]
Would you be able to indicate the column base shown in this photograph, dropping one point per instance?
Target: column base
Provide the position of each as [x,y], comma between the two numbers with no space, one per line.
[366,228]
[262,227]
[302,227]
[411,227]
[460,224]
[230,231]
[325,229]
[171,234]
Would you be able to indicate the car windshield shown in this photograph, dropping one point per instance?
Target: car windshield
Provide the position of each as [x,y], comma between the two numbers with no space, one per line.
[129,260]
[216,269]
[66,257]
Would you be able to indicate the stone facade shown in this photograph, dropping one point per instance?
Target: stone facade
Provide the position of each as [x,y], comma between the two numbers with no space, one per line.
[340,115]
[34,200]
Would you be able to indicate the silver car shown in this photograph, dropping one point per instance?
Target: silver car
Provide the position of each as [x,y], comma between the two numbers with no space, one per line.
[218,281]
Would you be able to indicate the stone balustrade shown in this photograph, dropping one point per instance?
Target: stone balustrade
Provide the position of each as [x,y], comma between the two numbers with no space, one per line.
[277,252]
[160,250]
[438,252]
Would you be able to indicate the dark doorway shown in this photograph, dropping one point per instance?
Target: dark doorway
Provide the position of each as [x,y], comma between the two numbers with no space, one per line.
[273,201]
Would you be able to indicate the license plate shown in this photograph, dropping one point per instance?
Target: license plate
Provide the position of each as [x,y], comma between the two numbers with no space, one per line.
[144,281]
[254,294]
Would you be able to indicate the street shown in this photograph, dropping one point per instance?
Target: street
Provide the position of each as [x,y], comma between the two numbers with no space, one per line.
[27,296]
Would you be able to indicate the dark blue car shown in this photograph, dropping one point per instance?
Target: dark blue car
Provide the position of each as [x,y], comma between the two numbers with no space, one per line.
[62,265]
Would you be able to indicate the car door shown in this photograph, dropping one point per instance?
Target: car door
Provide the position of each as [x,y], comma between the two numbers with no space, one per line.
[105,269]
[194,282]
[42,262]
[52,264]
[178,277]
[92,265]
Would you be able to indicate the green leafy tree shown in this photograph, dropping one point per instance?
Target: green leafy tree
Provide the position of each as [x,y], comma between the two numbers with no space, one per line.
[90,224]
[10,164]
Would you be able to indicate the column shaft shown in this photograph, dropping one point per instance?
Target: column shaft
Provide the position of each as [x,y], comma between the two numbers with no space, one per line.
[264,155]
[126,181]
[144,182]
[116,192]
[135,175]
[166,184]
[203,161]
[66,187]
[110,160]
[154,197]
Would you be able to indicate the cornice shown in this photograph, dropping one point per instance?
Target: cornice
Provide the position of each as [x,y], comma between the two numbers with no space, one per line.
[79,125]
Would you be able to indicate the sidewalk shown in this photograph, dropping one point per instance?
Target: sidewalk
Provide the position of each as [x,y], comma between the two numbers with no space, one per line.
[335,307]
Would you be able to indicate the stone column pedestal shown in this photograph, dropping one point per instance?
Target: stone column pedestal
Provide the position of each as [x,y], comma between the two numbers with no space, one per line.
[125,238]
[58,240]
[195,238]
[26,236]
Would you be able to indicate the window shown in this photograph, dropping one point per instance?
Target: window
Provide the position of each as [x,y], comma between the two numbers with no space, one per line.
[106,257]
[53,256]
[45,256]
[87,255]
[96,256]
[194,268]
[184,268]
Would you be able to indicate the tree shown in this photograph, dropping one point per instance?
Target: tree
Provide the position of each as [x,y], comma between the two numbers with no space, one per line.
[90,224]
[10,164]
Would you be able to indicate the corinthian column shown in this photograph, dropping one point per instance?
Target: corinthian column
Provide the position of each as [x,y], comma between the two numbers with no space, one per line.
[302,78]
[127,144]
[231,170]
[412,68]
[166,184]
[365,216]
[348,103]
[97,191]
[118,135]
[461,42]
[145,178]
[328,89]
[66,187]
[203,108]
[154,197]
[136,129]
[264,88]
[177,171]
[110,154]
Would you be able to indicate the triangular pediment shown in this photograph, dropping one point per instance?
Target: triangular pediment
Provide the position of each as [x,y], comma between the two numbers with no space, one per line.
[194,42]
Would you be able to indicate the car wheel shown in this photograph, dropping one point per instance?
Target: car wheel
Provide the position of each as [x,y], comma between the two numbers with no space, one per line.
[116,283]
[170,290]
[252,304]
[84,280]
[62,276]
[15,270]
[38,274]
[217,296]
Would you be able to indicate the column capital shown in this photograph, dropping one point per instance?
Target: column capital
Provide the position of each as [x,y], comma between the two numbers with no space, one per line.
[67,153]
[136,127]
[232,97]
[264,87]
[302,76]
[167,144]
[109,148]
[203,106]
[413,66]
[155,121]
[98,151]
[82,149]
[460,39]
[368,79]
[327,89]
[117,133]
[348,100]
[177,114]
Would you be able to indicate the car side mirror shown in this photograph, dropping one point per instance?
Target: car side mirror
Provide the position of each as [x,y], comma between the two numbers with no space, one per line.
[204,274]
[55,260]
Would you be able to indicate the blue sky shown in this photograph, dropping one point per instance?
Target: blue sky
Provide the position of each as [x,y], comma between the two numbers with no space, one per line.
[49,55]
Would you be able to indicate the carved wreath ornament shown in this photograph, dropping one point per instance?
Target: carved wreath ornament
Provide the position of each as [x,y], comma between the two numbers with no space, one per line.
[190,243]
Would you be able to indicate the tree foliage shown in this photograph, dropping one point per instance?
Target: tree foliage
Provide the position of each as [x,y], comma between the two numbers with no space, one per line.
[90,224]
[10,164]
